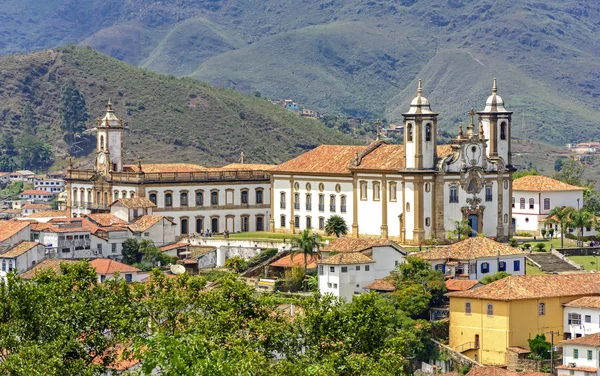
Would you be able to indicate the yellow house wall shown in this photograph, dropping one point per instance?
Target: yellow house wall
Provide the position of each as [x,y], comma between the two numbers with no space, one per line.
[513,323]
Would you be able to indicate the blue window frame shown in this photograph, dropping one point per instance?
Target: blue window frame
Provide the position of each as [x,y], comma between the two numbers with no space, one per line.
[502,266]
[517,265]
[485,267]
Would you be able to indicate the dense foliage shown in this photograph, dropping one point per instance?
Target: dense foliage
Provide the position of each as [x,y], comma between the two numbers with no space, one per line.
[67,323]
[144,254]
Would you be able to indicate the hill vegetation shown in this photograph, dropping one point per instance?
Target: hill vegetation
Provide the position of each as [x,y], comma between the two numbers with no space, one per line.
[166,118]
[353,57]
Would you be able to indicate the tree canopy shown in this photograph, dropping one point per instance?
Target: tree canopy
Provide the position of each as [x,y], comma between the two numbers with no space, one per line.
[336,225]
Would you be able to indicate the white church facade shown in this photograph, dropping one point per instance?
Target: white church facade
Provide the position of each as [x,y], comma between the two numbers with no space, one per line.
[232,198]
[412,192]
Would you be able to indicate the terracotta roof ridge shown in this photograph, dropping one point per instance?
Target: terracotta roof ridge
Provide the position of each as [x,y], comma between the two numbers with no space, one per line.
[356,161]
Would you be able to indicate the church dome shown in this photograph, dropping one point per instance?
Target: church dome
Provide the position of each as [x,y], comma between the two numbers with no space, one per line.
[110,119]
[420,104]
[494,103]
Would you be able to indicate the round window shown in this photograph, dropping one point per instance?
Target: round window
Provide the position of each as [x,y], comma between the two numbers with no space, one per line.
[506,184]
[526,220]
[321,187]
[308,187]
[296,186]
[338,188]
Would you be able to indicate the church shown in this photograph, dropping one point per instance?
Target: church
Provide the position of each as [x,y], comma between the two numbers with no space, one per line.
[411,193]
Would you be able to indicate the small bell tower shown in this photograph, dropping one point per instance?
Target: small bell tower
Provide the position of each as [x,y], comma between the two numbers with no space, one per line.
[420,133]
[110,142]
[496,124]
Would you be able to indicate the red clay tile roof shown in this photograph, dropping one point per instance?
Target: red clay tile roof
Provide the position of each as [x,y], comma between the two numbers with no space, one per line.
[19,249]
[535,287]
[108,266]
[106,219]
[297,260]
[587,302]
[35,192]
[135,203]
[444,150]
[469,249]
[169,247]
[36,206]
[50,214]
[40,226]
[578,368]
[348,244]
[539,183]
[53,264]
[120,362]
[145,222]
[587,340]
[9,229]
[460,284]
[383,157]
[384,284]
[167,167]
[248,167]
[497,371]
[328,159]
[347,258]
[518,350]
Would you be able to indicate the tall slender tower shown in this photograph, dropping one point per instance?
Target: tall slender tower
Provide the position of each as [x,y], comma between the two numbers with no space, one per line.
[110,142]
[496,124]
[420,133]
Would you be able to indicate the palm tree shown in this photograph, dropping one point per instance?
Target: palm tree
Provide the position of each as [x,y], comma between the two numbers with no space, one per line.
[580,219]
[336,225]
[308,244]
[561,215]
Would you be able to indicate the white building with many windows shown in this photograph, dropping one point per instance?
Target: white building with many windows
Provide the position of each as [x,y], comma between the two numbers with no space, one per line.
[232,198]
[581,356]
[345,274]
[534,196]
[411,192]
[55,186]
[582,317]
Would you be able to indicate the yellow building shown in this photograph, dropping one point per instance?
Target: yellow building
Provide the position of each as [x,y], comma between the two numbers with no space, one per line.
[506,313]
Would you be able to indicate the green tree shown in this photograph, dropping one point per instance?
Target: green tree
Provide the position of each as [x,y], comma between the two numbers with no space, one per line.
[236,263]
[494,277]
[28,123]
[306,243]
[130,251]
[591,200]
[581,219]
[540,348]
[521,173]
[72,110]
[560,215]
[558,164]
[33,153]
[418,287]
[571,172]
[461,228]
[336,225]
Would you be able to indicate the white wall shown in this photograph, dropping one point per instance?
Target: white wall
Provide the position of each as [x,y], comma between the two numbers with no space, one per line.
[386,259]
[584,328]
[582,358]
[24,234]
[493,266]
[348,283]
[528,219]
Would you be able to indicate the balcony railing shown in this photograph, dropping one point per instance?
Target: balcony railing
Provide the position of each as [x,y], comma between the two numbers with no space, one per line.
[134,177]
[467,346]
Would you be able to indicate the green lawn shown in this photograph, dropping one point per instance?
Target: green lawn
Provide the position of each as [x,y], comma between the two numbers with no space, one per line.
[588,262]
[532,269]
[554,242]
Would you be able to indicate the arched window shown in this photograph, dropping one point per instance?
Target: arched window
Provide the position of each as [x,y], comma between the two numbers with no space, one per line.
[297,221]
[244,197]
[214,198]
[152,197]
[503,131]
[282,200]
[132,194]
[409,133]
[453,193]
[101,142]
[321,223]
[116,195]
[308,201]
[531,203]
[309,222]
[199,225]
[393,188]
[490,310]
[428,132]
[297,201]
[332,203]
[168,199]
[468,308]
[488,192]
[343,204]
[183,197]
[542,309]
[184,226]
[376,191]
[3,265]
[522,203]
[260,223]
[259,196]
[321,202]
[282,221]
[408,206]
[546,204]
[363,190]
[513,202]
[199,199]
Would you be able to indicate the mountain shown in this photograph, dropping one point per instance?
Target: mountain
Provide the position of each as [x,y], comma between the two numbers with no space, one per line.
[167,119]
[359,57]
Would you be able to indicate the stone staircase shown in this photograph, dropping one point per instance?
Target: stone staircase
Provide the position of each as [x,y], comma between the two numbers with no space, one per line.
[550,263]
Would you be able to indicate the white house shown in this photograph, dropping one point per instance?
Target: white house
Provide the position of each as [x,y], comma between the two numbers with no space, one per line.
[411,192]
[582,317]
[534,196]
[345,274]
[158,228]
[22,256]
[29,209]
[386,254]
[106,268]
[13,232]
[4,178]
[54,186]
[22,175]
[581,356]
[475,258]
[36,195]
[130,209]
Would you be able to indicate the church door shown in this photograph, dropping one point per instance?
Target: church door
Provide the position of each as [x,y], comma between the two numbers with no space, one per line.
[474,223]
[215,225]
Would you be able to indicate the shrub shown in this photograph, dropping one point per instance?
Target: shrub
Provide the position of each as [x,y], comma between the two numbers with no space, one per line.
[543,232]
[513,242]
[494,277]
[526,246]
[292,279]
[541,247]
[236,264]
[262,257]
[523,233]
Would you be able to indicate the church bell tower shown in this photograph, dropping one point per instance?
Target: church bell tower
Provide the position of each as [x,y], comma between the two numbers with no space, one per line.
[420,133]
[110,142]
[496,124]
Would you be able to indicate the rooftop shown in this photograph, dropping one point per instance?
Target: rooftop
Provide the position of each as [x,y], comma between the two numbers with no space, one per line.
[460,284]
[36,206]
[50,214]
[347,258]
[497,371]
[145,222]
[587,302]
[106,219]
[536,287]
[298,260]
[578,368]
[587,340]
[108,266]
[384,284]
[8,229]
[348,244]
[35,192]
[540,183]
[469,249]
[19,249]
[135,203]
[169,247]
[53,264]
[166,167]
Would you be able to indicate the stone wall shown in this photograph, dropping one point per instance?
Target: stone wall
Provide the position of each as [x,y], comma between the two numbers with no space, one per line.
[583,251]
